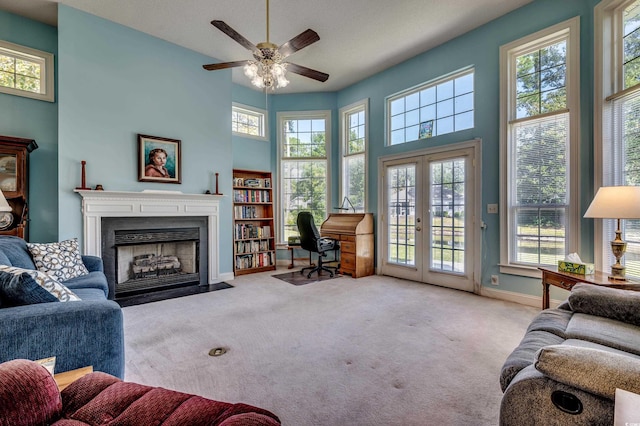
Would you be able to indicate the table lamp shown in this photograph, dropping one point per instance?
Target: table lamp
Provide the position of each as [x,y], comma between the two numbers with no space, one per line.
[616,202]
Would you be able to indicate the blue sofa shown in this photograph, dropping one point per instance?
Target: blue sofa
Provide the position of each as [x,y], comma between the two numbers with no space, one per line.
[78,333]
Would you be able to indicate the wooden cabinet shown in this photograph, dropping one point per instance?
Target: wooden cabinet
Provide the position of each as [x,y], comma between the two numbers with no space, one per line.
[14,183]
[253,231]
[355,233]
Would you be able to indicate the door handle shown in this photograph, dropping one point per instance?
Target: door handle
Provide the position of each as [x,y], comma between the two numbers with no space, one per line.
[418,228]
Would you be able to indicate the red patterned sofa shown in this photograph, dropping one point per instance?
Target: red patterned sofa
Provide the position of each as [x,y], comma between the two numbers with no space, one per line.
[30,396]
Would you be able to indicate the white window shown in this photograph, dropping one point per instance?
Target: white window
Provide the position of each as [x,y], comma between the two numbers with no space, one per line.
[248,121]
[354,141]
[304,147]
[432,109]
[539,138]
[617,119]
[26,72]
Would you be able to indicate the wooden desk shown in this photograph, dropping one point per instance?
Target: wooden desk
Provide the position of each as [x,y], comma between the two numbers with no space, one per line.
[566,280]
[65,379]
[355,233]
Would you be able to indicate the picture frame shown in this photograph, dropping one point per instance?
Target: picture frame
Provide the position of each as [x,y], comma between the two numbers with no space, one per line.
[159,159]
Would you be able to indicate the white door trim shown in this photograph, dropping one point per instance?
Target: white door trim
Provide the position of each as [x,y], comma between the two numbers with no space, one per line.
[476,146]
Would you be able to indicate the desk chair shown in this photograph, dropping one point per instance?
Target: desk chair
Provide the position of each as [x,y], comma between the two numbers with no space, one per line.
[311,240]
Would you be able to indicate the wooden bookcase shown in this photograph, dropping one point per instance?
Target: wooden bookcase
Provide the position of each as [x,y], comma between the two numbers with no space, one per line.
[254,243]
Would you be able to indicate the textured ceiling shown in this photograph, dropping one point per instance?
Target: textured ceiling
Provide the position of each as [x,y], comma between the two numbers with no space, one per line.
[358,38]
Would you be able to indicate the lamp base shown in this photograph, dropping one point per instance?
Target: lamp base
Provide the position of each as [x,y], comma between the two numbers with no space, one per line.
[618,247]
[618,279]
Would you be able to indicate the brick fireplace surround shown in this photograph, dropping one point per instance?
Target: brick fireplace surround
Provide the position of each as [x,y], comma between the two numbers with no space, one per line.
[149,204]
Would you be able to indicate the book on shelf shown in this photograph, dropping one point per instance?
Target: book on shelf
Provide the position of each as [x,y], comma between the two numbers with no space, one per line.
[252,182]
[251,196]
[245,231]
[255,260]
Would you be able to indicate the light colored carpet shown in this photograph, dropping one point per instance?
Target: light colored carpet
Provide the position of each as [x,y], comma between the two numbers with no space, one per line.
[371,351]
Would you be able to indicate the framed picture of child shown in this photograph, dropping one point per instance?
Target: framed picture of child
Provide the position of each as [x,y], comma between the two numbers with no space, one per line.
[158,159]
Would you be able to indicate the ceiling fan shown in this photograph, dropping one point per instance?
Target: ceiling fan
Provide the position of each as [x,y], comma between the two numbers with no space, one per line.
[268,68]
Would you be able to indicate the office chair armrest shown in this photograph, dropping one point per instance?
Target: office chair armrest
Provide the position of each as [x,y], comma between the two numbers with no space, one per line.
[326,244]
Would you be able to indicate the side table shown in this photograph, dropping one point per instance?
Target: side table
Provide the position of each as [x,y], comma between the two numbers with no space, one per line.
[566,280]
[65,379]
[291,248]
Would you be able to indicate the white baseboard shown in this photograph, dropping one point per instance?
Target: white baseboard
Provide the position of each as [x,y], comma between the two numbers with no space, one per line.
[511,296]
[225,276]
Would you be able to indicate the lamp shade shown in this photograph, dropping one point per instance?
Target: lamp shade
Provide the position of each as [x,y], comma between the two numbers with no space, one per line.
[615,202]
[4,205]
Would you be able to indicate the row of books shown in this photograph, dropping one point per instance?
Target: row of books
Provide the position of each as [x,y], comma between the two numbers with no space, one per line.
[256,260]
[251,196]
[244,231]
[245,212]
[252,246]
[252,182]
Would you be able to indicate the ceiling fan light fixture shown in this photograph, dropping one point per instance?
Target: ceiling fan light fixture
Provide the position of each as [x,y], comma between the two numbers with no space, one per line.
[266,74]
[251,69]
[268,70]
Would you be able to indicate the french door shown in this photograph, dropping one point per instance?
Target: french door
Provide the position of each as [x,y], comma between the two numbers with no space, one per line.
[429,215]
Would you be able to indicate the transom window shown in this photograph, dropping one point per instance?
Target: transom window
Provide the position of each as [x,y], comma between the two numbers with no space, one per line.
[303,143]
[631,44]
[435,108]
[248,121]
[540,80]
[26,72]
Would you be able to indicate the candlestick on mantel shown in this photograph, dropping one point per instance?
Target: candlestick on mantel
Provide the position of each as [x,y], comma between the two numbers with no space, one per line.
[84,177]
[217,192]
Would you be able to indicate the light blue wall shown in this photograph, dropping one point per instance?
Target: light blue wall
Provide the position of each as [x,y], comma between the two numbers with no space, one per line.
[35,119]
[249,153]
[116,82]
[480,49]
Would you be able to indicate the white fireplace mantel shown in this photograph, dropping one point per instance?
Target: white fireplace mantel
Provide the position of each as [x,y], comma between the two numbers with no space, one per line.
[99,204]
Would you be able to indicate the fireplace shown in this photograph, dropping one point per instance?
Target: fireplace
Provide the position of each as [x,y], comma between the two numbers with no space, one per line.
[152,240]
[151,254]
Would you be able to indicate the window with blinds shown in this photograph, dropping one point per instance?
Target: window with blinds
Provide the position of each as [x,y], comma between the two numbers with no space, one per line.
[619,154]
[539,98]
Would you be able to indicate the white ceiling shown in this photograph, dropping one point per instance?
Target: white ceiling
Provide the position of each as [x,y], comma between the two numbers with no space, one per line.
[358,38]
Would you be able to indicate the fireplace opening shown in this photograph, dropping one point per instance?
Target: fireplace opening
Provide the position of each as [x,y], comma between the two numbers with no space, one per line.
[143,255]
[154,258]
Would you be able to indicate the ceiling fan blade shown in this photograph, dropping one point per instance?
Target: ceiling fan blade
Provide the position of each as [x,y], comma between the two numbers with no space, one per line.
[222,26]
[300,41]
[307,72]
[224,65]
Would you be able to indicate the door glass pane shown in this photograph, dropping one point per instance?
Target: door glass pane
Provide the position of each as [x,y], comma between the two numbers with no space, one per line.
[401,187]
[447,215]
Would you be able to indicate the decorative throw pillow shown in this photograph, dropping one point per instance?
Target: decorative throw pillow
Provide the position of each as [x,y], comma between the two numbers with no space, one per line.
[60,260]
[26,286]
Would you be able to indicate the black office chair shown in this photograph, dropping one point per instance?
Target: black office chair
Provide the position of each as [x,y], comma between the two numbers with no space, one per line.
[311,240]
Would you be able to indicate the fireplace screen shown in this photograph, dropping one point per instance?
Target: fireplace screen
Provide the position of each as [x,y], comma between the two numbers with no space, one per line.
[149,259]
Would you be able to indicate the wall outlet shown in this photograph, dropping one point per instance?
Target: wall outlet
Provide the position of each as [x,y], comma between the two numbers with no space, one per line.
[492,208]
[495,280]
